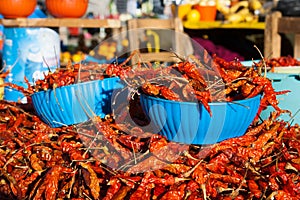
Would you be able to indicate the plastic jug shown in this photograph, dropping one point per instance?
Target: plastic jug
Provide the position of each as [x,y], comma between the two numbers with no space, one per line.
[29,52]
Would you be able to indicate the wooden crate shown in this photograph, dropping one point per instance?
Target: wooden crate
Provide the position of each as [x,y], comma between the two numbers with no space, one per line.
[277,24]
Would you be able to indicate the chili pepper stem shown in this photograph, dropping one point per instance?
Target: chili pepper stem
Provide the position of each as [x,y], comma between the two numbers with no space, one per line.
[87,160]
[88,107]
[133,151]
[91,143]
[237,79]
[56,99]
[263,196]
[187,154]
[215,83]
[235,192]
[21,167]
[193,58]
[252,169]
[177,56]
[87,196]
[276,155]
[13,65]
[131,161]
[264,62]
[79,72]
[34,188]
[188,173]
[276,164]
[203,188]
[126,181]
[272,195]
[292,117]
[44,60]
[72,183]
[289,166]
[11,159]
[187,194]
[168,78]
[110,171]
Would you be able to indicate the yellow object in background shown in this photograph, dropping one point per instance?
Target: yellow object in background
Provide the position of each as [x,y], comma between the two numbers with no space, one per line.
[255,4]
[65,57]
[193,15]
[183,10]
[79,56]
[125,43]
[241,11]
[156,41]
[108,50]
[1,89]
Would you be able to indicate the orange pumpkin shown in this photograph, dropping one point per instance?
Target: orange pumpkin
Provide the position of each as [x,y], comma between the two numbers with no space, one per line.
[17,8]
[67,8]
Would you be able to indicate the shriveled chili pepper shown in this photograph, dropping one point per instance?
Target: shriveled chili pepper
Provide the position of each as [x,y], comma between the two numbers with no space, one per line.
[94,184]
[175,193]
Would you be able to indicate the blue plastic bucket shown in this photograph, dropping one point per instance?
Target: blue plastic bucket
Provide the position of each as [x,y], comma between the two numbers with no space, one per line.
[29,52]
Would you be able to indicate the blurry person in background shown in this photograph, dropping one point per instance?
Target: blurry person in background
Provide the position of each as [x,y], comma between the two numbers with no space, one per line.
[158,7]
[99,9]
[121,6]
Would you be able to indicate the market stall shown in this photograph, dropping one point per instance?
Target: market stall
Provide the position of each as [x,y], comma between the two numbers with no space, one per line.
[114,158]
[194,127]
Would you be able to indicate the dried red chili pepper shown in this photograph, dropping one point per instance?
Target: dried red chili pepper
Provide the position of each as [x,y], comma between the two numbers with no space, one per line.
[94,184]
[177,193]
[144,189]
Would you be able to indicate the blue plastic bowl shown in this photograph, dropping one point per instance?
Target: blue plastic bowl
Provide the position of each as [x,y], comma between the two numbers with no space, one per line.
[190,122]
[75,103]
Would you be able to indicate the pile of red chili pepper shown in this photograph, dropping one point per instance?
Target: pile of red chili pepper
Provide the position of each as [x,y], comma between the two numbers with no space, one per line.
[104,160]
[282,61]
[72,74]
[75,73]
[101,159]
[213,80]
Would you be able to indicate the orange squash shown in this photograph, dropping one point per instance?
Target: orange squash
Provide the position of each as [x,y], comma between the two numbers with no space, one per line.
[17,8]
[67,8]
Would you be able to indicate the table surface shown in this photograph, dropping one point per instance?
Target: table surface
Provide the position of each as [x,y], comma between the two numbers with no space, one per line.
[223,25]
[114,23]
[61,22]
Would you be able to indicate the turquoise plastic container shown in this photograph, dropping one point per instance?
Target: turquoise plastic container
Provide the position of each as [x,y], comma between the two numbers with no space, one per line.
[289,101]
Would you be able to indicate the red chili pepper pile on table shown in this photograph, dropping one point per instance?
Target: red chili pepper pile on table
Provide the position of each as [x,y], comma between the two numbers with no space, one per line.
[283,61]
[100,159]
[104,160]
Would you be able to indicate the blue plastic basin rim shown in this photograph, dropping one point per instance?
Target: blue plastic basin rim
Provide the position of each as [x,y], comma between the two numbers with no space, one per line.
[195,103]
[76,84]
